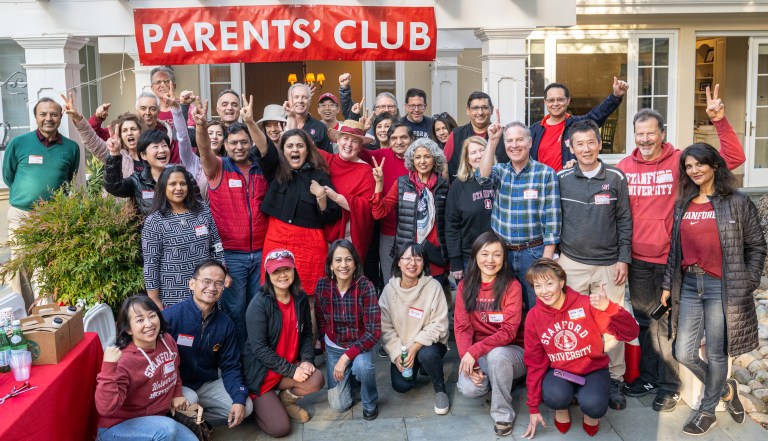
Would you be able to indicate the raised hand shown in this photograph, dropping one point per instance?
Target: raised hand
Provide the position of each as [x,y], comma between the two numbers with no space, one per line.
[599,300]
[246,111]
[366,119]
[113,142]
[715,106]
[200,114]
[619,87]
[112,354]
[170,99]
[344,80]
[188,97]
[70,109]
[495,131]
[378,173]
[312,89]
[358,107]
[102,112]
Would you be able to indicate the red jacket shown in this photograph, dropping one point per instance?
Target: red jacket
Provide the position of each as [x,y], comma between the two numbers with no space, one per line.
[133,387]
[479,331]
[653,190]
[570,338]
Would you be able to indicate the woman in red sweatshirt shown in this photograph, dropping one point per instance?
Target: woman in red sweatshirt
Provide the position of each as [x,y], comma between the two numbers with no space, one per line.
[564,348]
[489,309]
[139,380]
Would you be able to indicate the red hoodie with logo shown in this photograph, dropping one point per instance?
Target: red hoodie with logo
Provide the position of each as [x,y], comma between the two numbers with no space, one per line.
[653,189]
[570,338]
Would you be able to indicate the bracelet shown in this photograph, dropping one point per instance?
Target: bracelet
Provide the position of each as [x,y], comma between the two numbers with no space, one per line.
[321,197]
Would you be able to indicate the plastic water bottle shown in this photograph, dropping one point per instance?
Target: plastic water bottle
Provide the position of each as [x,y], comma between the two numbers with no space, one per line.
[407,372]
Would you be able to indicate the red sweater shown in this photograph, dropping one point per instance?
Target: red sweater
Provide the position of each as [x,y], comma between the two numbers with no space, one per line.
[485,328]
[653,188]
[393,168]
[570,338]
[133,387]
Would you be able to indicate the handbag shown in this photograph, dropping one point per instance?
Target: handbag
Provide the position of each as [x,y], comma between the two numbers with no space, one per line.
[192,418]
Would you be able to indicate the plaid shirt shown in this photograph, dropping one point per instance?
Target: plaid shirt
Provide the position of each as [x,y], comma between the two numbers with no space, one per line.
[352,321]
[527,204]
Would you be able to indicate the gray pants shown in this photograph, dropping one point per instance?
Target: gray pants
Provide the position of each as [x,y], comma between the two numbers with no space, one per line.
[501,366]
[385,259]
[215,400]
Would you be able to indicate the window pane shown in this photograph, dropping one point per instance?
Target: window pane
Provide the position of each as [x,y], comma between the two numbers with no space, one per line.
[385,70]
[220,74]
[537,82]
[761,127]
[761,153]
[535,110]
[660,105]
[216,89]
[646,52]
[762,90]
[644,103]
[14,95]
[537,53]
[662,52]
[645,78]
[762,59]
[660,81]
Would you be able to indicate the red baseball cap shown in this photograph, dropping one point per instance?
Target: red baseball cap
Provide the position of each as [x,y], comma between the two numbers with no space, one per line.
[328,96]
[278,259]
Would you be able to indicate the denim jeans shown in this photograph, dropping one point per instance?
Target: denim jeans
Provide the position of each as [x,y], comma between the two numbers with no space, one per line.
[244,269]
[702,315]
[558,393]
[519,262]
[431,358]
[147,428]
[658,364]
[360,370]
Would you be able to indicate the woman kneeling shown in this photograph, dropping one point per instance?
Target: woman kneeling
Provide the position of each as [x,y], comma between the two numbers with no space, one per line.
[279,351]
[564,348]
[414,323]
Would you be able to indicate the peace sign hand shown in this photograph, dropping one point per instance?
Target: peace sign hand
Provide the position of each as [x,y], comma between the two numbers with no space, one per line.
[247,110]
[70,109]
[366,119]
[715,106]
[113,142]
[378,173]
[170,99]
[200,114]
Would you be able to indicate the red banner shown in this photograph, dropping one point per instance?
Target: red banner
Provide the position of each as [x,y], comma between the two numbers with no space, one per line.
[251,34]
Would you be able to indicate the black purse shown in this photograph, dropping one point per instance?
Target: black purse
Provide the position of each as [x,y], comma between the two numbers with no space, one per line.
[192,418]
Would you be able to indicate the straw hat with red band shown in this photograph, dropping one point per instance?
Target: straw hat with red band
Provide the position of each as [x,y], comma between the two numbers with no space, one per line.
[278,259]
[352,128]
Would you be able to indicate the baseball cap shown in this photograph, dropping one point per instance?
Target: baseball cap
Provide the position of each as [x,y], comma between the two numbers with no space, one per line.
[328,96]
[279,259]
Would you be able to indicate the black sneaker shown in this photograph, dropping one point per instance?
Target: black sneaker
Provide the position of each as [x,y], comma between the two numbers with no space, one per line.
[370,416]
[615,398]
[502,429]
[665,401]
[700,423]
[734,406]
[638,388]
[383,352]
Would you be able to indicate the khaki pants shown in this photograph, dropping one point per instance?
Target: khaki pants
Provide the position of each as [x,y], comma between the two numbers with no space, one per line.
[586,279]
[21,282]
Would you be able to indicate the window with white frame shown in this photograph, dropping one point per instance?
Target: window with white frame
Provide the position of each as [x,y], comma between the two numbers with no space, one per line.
[90,95]
[215,78]
[384,76]
[653,75]
[535,81]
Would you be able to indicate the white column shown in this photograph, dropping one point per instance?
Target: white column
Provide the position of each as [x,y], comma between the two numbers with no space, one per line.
[504,55]
[53,67]
[141,74]
[445,81]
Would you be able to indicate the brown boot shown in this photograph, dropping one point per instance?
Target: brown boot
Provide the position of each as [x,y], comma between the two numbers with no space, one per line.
[294,411]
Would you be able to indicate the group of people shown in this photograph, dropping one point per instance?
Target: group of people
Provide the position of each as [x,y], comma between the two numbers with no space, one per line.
[315,235]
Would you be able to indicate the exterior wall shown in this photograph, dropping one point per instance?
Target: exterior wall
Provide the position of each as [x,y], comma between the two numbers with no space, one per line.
[418,74]
[122,100]
[470,80]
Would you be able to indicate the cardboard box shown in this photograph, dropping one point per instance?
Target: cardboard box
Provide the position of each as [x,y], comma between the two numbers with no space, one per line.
[73,322]
[47,343]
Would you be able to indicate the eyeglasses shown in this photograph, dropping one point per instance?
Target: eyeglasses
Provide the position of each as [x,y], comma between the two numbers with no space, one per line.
[159,82]
[208,282]
[482,109]
[412,259]
[385,106]
[417,106]
[440,115]
[242,142]
[278,254]
[556,100]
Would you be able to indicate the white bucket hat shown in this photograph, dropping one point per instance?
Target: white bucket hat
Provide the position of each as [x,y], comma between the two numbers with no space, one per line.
[273,112]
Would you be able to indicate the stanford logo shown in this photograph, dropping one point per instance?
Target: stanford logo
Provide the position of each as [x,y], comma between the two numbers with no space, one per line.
[488,204]
[606,187]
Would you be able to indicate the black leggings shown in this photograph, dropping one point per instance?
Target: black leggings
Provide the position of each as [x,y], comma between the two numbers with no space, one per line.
[593,396]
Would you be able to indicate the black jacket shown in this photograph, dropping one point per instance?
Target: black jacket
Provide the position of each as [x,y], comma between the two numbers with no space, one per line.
[292,202]
[460,134]
[264,323]
[467,215]
[744,250]
[406,219]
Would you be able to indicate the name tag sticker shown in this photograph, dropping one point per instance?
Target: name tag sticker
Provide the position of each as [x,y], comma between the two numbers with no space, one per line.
[201,230]
[576,313]
[495,317]
[169,367]
[531,194]
[235,183]
[602,199]
[409,196]
[147,194]
[185,340]
[415,312]
[35,159]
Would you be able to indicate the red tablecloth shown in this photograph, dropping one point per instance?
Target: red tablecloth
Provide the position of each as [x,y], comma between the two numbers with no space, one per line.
[62,407]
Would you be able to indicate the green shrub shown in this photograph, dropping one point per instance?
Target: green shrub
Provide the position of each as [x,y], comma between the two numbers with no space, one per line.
[83,247]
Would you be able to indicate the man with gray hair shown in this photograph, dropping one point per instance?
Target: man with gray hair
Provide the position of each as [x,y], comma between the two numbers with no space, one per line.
[162,80]
[297,105]
[526,210]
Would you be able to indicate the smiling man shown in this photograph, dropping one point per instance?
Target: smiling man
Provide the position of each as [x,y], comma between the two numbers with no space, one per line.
[299,98]
[207,345]
[595,194]
[34,165]
[328,109]
[415,105]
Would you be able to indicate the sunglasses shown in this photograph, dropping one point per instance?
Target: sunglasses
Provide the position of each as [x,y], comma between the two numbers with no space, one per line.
[440,115]
[278,255]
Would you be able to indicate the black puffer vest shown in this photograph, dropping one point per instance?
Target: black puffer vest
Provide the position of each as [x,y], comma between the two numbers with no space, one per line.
[406,218]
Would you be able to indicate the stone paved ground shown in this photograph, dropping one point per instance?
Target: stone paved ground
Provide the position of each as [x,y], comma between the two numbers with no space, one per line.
[411,417]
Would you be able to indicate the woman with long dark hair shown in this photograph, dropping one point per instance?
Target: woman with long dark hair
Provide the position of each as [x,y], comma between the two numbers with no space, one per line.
[487,318]
[715,262]
[414,318]
[442,126]
[178,235]
[349,321]
[381,124]
[139,380]
[278,354]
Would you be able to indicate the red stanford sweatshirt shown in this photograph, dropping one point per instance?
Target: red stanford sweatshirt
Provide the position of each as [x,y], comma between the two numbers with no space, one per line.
[570,338]
[134,387]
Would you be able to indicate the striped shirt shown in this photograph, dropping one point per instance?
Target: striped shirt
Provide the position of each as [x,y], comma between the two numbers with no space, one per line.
[527,204]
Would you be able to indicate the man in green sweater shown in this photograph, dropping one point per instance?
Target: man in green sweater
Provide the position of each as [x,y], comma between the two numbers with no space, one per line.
[34,165]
